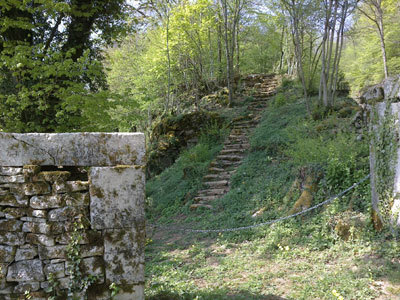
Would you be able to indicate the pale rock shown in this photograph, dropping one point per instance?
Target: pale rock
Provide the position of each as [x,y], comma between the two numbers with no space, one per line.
[13,200]
[40,239]
[36,188]
[10,171]
[65,213]
[58,270]
[26,253]
[37,213]
[35,227]
[77,199]
[25,270]
[7,254]
[31,219]
[45,202]
[12,238]
[124,251]
[10,225]
[105,211]
[72,149]
[26,286]
[14,213]
[12,179]
[53,252]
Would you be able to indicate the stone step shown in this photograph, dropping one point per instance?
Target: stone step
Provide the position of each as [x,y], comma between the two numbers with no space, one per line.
[196,206]
[224,163]
[232,151]
[215,170]
[217,184]
[213,192]
[217,177]
[237,146]
[205,199]
[237,141]
[230,157]
[239,131]
[238,136]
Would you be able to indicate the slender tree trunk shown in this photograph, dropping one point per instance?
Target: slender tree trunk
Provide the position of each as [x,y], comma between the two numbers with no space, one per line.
[383,46]
[169,62]
[281,50]
[377,18]
[229,58]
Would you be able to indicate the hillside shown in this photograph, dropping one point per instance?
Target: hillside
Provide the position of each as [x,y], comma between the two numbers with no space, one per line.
[332,252]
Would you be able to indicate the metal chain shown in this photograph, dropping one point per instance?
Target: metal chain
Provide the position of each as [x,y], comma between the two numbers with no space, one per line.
[272,221]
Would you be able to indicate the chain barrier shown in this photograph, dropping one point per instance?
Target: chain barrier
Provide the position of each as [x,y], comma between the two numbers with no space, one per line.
[272,221]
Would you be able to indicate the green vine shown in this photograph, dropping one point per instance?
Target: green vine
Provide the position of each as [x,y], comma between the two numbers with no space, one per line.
[384,146]
[79,283]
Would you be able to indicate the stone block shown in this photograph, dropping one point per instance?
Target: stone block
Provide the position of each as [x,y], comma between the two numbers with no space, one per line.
[46,202]
[52,176]
[130,292]
[15,213]
[27,286]
[35,227]
[26,253]
[58,270]
[12,238]
[72,149]
[92,250]
[38,213]
[36,188]
[7,254]
[12,179]
[10,171]
[10,225]
[31,219]
[70,186]
[116,197]
[54,252]
[77,199]
[90,266]
[26,270]
[66,213]
[40,239]
[124,256]
[13,200]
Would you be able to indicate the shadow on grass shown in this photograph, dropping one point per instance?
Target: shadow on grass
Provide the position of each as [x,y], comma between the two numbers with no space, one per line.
[165,295]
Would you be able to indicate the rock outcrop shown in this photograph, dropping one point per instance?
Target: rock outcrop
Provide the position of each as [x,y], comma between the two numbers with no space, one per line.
[387,89]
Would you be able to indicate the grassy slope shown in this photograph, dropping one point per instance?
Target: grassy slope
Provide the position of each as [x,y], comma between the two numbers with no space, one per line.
[302,258]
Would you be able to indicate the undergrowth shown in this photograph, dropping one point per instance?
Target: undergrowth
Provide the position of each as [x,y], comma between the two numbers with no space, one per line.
[301,258]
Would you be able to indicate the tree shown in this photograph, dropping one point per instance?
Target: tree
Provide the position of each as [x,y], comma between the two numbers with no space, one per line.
[50,53]
[373,10]
[231,12]
[362,47]
[336,13]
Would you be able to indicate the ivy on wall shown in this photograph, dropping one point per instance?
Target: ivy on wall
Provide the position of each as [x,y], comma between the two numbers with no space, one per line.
[384,145]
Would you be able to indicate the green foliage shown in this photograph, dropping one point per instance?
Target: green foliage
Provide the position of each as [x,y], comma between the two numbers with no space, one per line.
[51,78]
[362,61]
[168,192]
[288,92]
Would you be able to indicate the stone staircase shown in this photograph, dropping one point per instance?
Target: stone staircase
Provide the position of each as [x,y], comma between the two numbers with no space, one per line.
[216,183]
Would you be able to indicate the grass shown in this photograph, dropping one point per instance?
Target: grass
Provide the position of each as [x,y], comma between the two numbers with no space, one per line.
[302,258]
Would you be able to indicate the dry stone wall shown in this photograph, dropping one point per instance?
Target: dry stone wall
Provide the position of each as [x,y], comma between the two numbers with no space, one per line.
[51,183]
